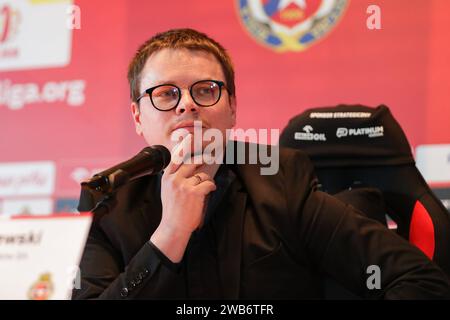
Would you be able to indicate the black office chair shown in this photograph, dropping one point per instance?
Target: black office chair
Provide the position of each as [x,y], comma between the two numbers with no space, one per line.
[354,146]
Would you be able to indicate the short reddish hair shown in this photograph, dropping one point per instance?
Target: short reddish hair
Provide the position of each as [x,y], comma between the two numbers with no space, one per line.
[179,39]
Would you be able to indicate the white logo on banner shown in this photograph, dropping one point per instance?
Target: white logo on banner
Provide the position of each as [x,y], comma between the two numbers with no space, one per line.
[16,96]
[307,135]
[33,34]
[341,132]
[27,178]
[433,161]
[371,132]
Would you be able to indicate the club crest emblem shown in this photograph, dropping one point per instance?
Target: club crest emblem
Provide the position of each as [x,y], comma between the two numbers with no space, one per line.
[290,25]
[42,289]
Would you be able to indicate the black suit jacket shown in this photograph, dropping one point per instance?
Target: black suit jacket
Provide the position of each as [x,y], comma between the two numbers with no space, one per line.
[279,237]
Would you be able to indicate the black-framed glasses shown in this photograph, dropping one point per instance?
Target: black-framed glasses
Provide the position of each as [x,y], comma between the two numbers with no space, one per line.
[166,97]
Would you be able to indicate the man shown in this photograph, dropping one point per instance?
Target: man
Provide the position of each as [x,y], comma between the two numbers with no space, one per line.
[214,231]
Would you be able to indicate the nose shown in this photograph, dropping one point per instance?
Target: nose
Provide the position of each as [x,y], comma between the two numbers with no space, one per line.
[186,103]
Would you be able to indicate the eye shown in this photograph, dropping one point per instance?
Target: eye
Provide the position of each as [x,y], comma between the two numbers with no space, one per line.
[165,92]
[205,89]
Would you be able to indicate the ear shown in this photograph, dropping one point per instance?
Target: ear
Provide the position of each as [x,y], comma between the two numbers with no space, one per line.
[136,113]
[233,110]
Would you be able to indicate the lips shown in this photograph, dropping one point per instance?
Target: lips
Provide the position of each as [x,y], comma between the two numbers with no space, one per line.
[189,125]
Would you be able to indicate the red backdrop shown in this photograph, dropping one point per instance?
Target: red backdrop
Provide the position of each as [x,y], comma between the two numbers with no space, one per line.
[405,65]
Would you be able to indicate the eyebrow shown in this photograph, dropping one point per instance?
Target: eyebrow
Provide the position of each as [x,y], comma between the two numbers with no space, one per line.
[158,84]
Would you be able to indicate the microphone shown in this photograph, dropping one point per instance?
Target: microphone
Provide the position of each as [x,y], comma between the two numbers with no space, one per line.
[151,160]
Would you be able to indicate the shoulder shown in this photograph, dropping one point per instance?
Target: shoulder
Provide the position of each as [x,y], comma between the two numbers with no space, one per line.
[270,163]
[286,176]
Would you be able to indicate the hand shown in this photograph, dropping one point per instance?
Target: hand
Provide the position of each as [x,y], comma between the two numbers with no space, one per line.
[183,196]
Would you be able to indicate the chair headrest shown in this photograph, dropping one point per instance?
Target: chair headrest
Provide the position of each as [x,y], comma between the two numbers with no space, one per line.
[348,136]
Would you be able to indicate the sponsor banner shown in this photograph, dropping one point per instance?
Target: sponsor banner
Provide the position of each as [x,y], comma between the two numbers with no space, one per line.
[443,194]
[27,178]
[433,161]
[66,205]
[83,109]
[34,34]
[72,171]
[27,206]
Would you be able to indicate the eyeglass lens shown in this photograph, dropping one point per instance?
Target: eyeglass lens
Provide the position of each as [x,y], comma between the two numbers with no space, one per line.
[204,93]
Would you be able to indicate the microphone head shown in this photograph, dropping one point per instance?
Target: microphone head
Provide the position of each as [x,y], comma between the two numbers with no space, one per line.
[150,160]
[164,153]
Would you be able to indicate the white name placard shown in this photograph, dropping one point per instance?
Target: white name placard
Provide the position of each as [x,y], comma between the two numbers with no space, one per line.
[39,255]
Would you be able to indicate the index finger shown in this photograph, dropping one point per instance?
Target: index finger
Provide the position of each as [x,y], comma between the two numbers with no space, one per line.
[176,161]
